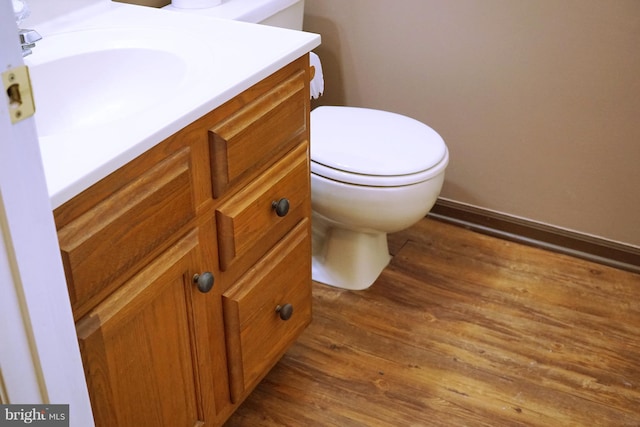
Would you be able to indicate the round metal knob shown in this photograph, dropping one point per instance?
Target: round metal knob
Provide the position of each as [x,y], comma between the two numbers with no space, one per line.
[285,311]
[281,207]
[204,281]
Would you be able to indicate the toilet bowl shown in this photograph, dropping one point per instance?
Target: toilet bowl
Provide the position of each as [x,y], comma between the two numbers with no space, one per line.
[372,172]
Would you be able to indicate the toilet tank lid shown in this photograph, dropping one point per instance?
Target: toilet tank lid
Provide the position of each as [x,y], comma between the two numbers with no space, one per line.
[373,142]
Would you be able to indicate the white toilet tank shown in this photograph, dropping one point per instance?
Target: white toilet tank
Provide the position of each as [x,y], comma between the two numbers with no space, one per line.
[277,13]
[280,13]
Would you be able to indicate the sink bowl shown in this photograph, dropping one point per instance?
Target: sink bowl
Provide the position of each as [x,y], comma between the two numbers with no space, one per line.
[91,78]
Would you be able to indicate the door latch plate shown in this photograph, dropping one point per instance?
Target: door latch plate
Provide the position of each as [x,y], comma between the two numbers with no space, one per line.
[17,87]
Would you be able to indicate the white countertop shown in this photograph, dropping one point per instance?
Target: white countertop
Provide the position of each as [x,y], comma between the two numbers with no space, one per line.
[234,56]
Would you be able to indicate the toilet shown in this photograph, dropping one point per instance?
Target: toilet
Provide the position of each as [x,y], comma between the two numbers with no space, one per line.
[373,172]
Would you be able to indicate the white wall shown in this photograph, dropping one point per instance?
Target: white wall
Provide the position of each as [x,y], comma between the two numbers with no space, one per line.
[39,357]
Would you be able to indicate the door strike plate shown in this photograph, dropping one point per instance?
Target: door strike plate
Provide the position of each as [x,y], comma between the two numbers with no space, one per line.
[17,87]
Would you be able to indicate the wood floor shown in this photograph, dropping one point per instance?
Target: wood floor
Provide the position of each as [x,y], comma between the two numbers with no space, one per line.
[463,329]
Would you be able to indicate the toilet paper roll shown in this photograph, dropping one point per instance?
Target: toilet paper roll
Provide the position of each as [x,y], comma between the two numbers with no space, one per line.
[195,4]
[317,82]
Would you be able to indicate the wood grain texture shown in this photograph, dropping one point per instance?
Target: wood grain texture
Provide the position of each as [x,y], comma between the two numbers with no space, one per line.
[256,335]
[248,218]
[262,130]
[141,329]
[136,219]
[463,329]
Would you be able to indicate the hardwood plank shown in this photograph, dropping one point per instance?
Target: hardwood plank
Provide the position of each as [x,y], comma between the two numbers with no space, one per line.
[463,329]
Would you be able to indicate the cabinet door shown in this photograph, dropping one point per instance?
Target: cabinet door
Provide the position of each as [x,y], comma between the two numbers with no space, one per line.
[257,331]
[138,346]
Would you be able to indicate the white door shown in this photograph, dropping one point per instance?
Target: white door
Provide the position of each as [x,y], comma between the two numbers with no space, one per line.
[39,356]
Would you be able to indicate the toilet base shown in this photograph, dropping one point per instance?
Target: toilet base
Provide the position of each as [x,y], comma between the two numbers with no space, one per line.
[349,259]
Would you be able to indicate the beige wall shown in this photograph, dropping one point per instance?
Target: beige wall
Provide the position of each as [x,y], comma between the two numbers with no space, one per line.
[537,100]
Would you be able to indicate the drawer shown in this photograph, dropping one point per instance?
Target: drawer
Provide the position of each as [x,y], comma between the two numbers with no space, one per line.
[106,244]
[259,133]
[248,224]
[256,335]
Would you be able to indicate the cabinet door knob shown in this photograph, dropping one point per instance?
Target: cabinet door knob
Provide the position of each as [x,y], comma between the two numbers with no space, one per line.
[285,311]
[281,207]
[204,281]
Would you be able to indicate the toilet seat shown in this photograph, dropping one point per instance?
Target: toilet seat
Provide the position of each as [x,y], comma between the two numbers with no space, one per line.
[373,147]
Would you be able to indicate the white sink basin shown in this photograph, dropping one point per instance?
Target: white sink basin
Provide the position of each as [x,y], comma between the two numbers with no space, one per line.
[90,78]
[111,80]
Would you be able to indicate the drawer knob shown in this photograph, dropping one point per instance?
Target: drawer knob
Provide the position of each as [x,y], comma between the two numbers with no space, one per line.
[204,281]
[281,207]
[285,311]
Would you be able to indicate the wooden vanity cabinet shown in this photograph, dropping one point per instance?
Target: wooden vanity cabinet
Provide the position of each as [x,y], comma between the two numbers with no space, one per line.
[188,268]
[144,328]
